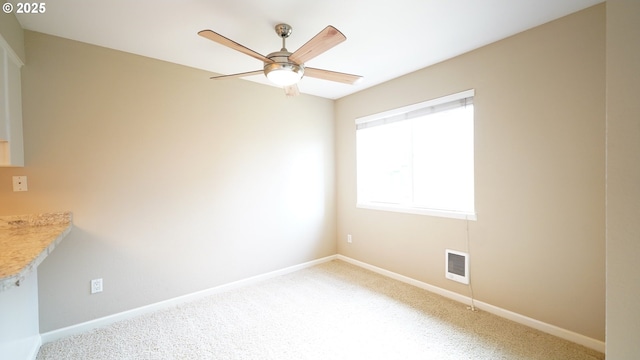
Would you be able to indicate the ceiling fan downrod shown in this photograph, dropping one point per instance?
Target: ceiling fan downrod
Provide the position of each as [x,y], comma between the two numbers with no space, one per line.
[283,30]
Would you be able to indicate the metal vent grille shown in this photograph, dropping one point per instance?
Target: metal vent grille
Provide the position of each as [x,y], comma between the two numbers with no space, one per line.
[457,266]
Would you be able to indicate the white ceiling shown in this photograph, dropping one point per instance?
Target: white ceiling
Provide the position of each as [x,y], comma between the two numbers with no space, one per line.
[385,39]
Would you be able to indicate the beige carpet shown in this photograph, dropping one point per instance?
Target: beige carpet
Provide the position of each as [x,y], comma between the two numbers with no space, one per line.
[331,311]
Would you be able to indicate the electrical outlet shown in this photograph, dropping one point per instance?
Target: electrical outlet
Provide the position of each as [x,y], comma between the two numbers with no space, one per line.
[96,286]
[19,183]
[349,239]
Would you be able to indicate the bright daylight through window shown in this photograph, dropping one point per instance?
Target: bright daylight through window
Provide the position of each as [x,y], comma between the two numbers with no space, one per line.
[419,158]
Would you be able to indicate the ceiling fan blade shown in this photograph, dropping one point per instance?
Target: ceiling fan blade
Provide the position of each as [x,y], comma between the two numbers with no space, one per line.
[292,90]
[249,73]
[323,41]
[332,75]
[214,36]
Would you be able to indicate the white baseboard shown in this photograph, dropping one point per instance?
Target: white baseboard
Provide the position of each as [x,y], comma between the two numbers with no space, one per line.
[521,319]
[36,342]
[533,323]
[25,348]
[107,320]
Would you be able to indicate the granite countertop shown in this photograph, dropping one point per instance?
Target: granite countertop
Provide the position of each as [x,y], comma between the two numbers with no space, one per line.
[26,240]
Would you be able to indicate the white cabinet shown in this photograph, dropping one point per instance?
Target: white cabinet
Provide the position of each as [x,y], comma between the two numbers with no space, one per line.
[20,328]
[11,143]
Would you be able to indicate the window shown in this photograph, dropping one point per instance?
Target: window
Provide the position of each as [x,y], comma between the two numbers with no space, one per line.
[419,158]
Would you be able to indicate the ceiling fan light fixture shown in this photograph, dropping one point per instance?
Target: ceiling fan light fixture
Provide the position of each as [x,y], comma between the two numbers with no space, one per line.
[283,74]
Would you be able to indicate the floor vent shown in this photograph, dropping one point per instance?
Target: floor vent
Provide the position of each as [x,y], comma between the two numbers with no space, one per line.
[457,266]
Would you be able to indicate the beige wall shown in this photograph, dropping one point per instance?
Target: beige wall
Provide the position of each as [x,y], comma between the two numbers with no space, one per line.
[177,183]
[12,33]
[623,179]
[538,246]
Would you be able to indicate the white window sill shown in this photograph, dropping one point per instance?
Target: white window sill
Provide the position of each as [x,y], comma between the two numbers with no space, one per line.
[417,211]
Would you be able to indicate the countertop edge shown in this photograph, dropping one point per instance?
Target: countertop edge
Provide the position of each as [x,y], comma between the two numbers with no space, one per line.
[15,280]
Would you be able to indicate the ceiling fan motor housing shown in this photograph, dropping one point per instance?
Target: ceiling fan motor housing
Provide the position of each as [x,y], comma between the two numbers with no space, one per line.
[281,70]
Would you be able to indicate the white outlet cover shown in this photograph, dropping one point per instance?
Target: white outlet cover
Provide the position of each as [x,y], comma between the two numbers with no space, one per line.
[96,286]
[19,183]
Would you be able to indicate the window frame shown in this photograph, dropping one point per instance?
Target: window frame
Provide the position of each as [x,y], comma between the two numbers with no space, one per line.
[399,114]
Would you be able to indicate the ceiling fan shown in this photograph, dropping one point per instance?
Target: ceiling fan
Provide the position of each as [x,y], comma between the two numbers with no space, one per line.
[284,68]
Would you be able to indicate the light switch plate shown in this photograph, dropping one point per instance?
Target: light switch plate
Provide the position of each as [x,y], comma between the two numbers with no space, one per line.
[19,183]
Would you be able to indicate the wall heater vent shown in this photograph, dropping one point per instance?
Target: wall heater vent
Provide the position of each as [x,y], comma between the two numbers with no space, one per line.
[457,266]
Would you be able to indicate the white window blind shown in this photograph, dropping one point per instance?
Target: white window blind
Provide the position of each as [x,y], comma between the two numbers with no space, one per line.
[364,123]
[419,158]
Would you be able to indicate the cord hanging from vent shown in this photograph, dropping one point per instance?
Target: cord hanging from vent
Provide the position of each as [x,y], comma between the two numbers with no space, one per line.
[472,307]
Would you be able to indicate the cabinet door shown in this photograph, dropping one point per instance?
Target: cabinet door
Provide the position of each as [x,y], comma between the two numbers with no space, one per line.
[4,121]
[11,143]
